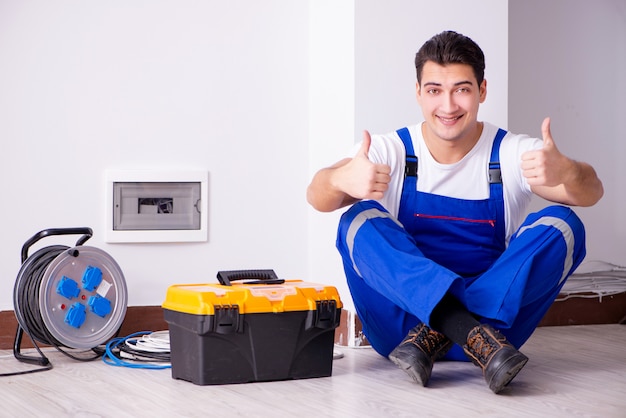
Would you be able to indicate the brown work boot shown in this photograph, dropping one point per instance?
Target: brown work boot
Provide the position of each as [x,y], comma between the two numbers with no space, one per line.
[418,352]
[499,360]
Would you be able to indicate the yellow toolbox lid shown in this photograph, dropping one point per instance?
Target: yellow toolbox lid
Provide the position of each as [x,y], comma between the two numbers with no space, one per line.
[292,295]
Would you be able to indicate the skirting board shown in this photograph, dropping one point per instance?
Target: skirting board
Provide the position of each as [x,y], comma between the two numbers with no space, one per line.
[579,310]
[138,318]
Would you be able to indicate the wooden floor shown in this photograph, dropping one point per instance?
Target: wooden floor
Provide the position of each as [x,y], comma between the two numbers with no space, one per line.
[577,371]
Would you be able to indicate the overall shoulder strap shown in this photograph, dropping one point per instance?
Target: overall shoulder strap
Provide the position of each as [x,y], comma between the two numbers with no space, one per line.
[495,175]
[495,184]
[410,169]
[409,187]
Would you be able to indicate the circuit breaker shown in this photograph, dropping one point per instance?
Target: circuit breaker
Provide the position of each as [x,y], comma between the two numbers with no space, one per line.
[156,206]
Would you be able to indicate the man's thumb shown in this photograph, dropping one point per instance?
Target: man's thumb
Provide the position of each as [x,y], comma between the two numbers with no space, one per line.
[365,145]
[545,132]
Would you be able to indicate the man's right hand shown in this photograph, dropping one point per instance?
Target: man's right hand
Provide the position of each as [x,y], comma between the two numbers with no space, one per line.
[361,178]
[349,180]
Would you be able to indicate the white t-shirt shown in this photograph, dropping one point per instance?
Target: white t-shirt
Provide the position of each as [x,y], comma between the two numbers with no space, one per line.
[465,179]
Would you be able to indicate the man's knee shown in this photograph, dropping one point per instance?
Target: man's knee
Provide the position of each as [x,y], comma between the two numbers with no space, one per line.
[361,207]
[557,216]
[562,223]
[357,216]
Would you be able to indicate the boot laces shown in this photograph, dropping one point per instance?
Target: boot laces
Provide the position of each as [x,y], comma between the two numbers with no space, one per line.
[426,339]
[484,345]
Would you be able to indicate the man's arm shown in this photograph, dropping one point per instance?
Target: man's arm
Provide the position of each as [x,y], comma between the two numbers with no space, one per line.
[555,177]
[348,181]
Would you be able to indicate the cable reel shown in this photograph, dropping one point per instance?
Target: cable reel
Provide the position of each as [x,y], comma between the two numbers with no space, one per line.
[67,297]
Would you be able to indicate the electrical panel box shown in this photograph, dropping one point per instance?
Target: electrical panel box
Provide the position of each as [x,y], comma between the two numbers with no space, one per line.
[156,206]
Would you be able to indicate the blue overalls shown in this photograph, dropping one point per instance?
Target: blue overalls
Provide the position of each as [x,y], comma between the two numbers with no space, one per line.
[399,269]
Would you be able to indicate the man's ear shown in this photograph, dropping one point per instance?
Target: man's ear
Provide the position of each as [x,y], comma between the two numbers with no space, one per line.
[483,91]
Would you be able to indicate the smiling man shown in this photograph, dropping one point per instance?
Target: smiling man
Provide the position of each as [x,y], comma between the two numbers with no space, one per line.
[438,254]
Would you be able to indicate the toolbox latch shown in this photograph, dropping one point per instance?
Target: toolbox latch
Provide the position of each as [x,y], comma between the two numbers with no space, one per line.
[227,319]
[326,314]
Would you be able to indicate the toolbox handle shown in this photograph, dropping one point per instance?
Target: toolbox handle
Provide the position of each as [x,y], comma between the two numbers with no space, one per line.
[225,277]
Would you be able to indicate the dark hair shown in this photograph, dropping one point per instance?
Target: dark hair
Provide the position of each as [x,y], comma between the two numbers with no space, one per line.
[451,48]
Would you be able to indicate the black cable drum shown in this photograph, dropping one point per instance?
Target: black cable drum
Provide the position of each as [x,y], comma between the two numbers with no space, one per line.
[73,297]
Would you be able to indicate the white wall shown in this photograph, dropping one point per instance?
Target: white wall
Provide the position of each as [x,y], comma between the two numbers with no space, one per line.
[331,125]
[221,86]
[567,60]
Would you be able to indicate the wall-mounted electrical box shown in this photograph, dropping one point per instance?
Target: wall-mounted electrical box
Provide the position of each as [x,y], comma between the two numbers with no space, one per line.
[156,206]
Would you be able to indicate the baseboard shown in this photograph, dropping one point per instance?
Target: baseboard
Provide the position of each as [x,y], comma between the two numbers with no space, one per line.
[138,318]
[580,310]
[586,309]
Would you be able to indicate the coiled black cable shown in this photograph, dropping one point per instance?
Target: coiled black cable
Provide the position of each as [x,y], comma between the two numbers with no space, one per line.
[26,300]
[26,294]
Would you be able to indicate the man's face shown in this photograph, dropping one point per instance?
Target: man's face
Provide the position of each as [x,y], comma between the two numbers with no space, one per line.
[449,97]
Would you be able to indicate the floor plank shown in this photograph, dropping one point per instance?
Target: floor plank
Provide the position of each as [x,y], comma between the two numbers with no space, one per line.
[575,371]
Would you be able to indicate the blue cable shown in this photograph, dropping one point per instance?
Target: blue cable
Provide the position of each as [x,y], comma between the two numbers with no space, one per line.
[111,359]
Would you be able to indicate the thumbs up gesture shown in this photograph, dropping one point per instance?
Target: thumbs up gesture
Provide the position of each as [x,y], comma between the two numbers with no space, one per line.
[545,166]
[363,179]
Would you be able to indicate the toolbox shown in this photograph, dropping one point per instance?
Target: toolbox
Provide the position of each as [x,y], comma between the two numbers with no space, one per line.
[258,329]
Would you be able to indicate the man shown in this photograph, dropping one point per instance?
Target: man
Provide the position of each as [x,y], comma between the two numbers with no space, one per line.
[437,258]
